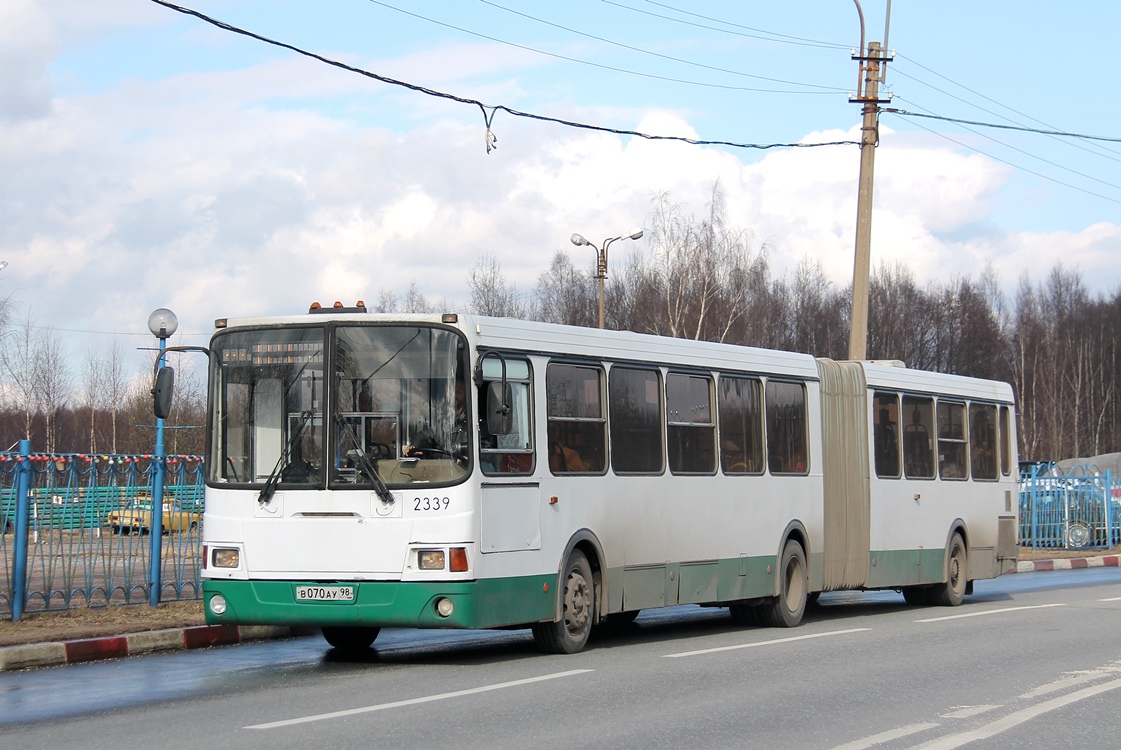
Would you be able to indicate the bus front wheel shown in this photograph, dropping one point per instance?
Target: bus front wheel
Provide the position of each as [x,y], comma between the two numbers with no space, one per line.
[952,591]
[350,638]
[788,607]
[569,634]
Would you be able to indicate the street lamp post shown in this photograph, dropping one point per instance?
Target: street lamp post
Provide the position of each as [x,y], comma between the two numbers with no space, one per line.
[601,259]
[162,323]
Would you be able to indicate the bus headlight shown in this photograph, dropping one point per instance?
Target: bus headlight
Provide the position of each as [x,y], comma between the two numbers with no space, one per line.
[225,558]
[218,604]
[430,559]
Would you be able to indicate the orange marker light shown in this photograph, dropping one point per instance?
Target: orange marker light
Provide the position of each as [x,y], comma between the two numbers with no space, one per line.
[458,560]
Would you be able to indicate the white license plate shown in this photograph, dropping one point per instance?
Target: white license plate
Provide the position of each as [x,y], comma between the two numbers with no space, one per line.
[324,593]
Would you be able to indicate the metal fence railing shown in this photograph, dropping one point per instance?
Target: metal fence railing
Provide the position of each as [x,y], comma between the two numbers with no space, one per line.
[1077,510]
[89,534]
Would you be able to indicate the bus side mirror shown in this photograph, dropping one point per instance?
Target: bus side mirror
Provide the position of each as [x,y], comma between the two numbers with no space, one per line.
[500,413]
[161,392]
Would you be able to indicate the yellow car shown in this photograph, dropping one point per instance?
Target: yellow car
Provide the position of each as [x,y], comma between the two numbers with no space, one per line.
[137,516]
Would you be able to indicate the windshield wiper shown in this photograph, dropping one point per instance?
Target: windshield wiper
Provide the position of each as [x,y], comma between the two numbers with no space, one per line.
[366,466]
[265,496]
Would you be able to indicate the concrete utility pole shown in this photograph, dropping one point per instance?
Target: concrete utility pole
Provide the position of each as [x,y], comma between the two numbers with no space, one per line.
[858,334]
[872,65]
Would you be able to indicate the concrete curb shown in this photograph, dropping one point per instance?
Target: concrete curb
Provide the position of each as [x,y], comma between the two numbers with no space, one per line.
[174,639]
[1074,563]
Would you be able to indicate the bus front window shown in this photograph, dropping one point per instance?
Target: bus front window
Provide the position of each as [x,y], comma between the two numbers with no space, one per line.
[399,406]
[267,392]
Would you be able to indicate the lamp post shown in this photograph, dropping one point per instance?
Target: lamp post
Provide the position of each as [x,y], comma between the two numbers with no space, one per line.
[162,323]
[601,259]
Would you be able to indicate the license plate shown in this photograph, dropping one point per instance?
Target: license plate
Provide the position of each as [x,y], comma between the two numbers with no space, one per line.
[324,593]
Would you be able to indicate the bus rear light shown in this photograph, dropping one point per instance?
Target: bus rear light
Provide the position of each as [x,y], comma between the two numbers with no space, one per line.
[204,556]
[225,558]
[458,560]
[430,559]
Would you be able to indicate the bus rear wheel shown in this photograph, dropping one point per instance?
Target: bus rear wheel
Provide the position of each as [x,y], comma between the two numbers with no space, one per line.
[951,592]
[350,638]
[570,634]
[788,607]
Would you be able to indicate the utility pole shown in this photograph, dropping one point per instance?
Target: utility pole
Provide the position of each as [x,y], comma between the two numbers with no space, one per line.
[872,64]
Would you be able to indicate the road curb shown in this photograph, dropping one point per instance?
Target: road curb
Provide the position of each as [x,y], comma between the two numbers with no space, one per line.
[173,639]
[1074,563]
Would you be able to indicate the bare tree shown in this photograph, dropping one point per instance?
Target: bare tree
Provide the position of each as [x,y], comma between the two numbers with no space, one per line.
[54,382]
[18,359]
[491,294]
[93,385]
[565,294]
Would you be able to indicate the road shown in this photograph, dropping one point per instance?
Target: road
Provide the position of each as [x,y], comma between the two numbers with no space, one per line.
[1031,660]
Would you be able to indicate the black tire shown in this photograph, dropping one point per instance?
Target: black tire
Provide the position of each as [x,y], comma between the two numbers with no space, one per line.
[951,592]
[350,638]
[918,596]
[744,615]
[788,607]
[578,597]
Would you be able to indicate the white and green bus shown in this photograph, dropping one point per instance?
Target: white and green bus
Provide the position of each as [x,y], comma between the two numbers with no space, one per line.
[449,471]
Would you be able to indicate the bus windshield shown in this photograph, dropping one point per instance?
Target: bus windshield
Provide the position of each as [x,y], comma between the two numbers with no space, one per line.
[336,406]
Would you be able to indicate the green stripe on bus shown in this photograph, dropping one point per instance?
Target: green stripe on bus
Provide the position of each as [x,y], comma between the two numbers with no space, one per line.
[485,603]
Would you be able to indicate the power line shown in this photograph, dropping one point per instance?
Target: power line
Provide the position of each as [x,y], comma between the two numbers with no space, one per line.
[1016,166]
[763,34]
[1108,139]
[1092,148]
[601,66]
[650,52]
[488,111]
[1027,153]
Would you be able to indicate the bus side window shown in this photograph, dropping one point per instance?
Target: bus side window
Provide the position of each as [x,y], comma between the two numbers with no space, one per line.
[951,441]
[982,440]
[1005,440]
[885,416]
[786,428]
[741,425]
[636,421]
[577,427]
[690,427]
[918,452]
[511,453]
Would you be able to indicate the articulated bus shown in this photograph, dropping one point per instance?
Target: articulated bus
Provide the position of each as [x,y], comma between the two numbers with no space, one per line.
[449,471]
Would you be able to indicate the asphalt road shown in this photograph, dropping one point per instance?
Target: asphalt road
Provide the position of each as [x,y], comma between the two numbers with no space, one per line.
[1031,660]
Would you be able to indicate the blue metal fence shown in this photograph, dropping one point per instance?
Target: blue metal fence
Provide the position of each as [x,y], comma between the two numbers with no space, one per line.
[88,539]
[1077,510]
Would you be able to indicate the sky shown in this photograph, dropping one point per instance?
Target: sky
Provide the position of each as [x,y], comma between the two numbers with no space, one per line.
[150,159]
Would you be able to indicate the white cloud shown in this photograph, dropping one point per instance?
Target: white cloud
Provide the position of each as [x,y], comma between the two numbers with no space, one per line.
[198,192]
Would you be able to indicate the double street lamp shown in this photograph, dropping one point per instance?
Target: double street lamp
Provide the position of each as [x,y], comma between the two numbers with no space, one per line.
[601,259]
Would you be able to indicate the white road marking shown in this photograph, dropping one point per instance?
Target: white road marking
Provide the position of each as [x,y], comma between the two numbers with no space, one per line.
[764,643]
[888,736]
[989,612]
[1015,719]
[415,701]
[1113,599]
[965,713]
[1074,678]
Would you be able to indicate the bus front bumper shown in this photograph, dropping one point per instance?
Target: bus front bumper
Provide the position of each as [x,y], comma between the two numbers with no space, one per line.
[474,604]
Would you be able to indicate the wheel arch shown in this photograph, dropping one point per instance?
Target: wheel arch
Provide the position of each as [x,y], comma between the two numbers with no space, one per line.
[587,542]
[956,527]
[795,531]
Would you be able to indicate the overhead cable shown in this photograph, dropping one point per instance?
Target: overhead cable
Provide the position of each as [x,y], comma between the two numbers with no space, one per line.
[487,110]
